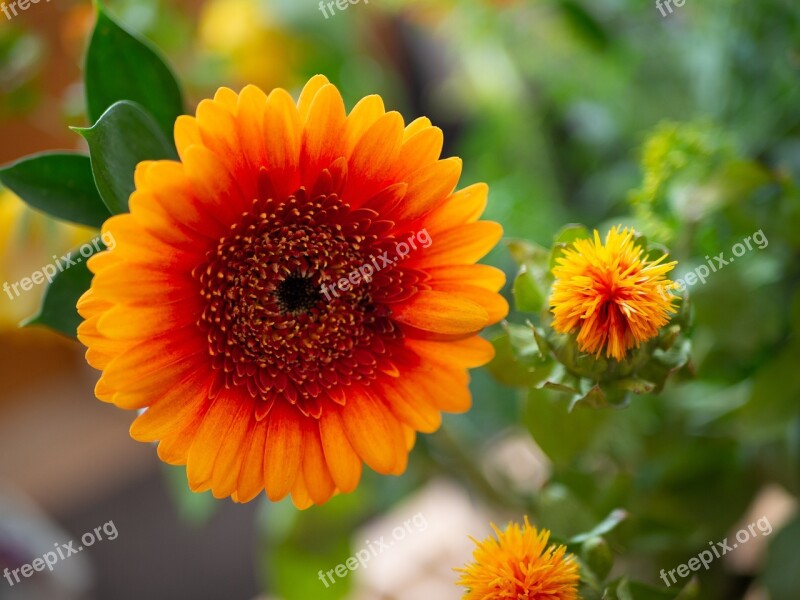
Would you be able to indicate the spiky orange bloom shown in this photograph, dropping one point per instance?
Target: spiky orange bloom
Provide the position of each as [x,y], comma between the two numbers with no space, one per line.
[611,294]
[210,311]
[519,565]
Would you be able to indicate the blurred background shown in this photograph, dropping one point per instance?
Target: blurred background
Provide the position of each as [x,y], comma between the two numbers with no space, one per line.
[685,124]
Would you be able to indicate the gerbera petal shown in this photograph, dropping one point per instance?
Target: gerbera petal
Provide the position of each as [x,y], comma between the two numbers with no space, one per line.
[373,432]
[316,475]
[465,244]
[421,149]
[361,118]
[175,406]
[208,441]
[427,187]
[496,306]
[251,473]
[372,158]
[231,456]
[464,206]
[441,313]
[470,352]
[282,452]
[343,462]
[323,132]
[282,131]
[310,90]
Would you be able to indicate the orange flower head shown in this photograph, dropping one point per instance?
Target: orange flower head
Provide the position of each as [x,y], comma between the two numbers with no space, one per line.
[295,297]
[613,296]
[519,565]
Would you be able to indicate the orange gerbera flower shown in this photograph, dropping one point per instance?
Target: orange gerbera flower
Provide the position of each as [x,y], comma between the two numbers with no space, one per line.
[519,565]
[237,308]
[614,297]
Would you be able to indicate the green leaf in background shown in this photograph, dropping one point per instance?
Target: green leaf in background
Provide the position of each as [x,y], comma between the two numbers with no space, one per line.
[616,517]
[194,509]
[528,293]
[624,589]
[518,360]
[782,571]
[293,551]
[562,511]
[122,66]
[124,136]
[597,555]
[58,309]
[567,235]
[58,183]
[562,435]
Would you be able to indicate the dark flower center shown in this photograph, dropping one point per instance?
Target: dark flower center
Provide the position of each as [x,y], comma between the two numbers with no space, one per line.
[271,326]
[297,294]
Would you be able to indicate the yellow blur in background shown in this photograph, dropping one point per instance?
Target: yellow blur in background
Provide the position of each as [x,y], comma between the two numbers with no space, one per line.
[28,241]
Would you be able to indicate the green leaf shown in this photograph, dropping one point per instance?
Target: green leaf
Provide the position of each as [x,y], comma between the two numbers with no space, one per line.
[624,589]
[58,183]
[570,233]
[596,553]
[562,511]
[122,66]
[616,517]
[124,136]
[518,361]
[58,310]
[562,435]
[565,236]
[528,293]
[585,24]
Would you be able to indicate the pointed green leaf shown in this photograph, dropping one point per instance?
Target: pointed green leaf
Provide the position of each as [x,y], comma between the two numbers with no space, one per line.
[123,137]
[614,518]
[122,66]
[58,311]
[58,183]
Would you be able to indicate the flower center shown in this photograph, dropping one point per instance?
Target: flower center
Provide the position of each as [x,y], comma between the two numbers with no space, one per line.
[278,320]
[297,294]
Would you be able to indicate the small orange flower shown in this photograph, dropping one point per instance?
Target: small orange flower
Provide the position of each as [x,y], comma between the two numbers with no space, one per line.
[231,307]
[519,565]
[614,297]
